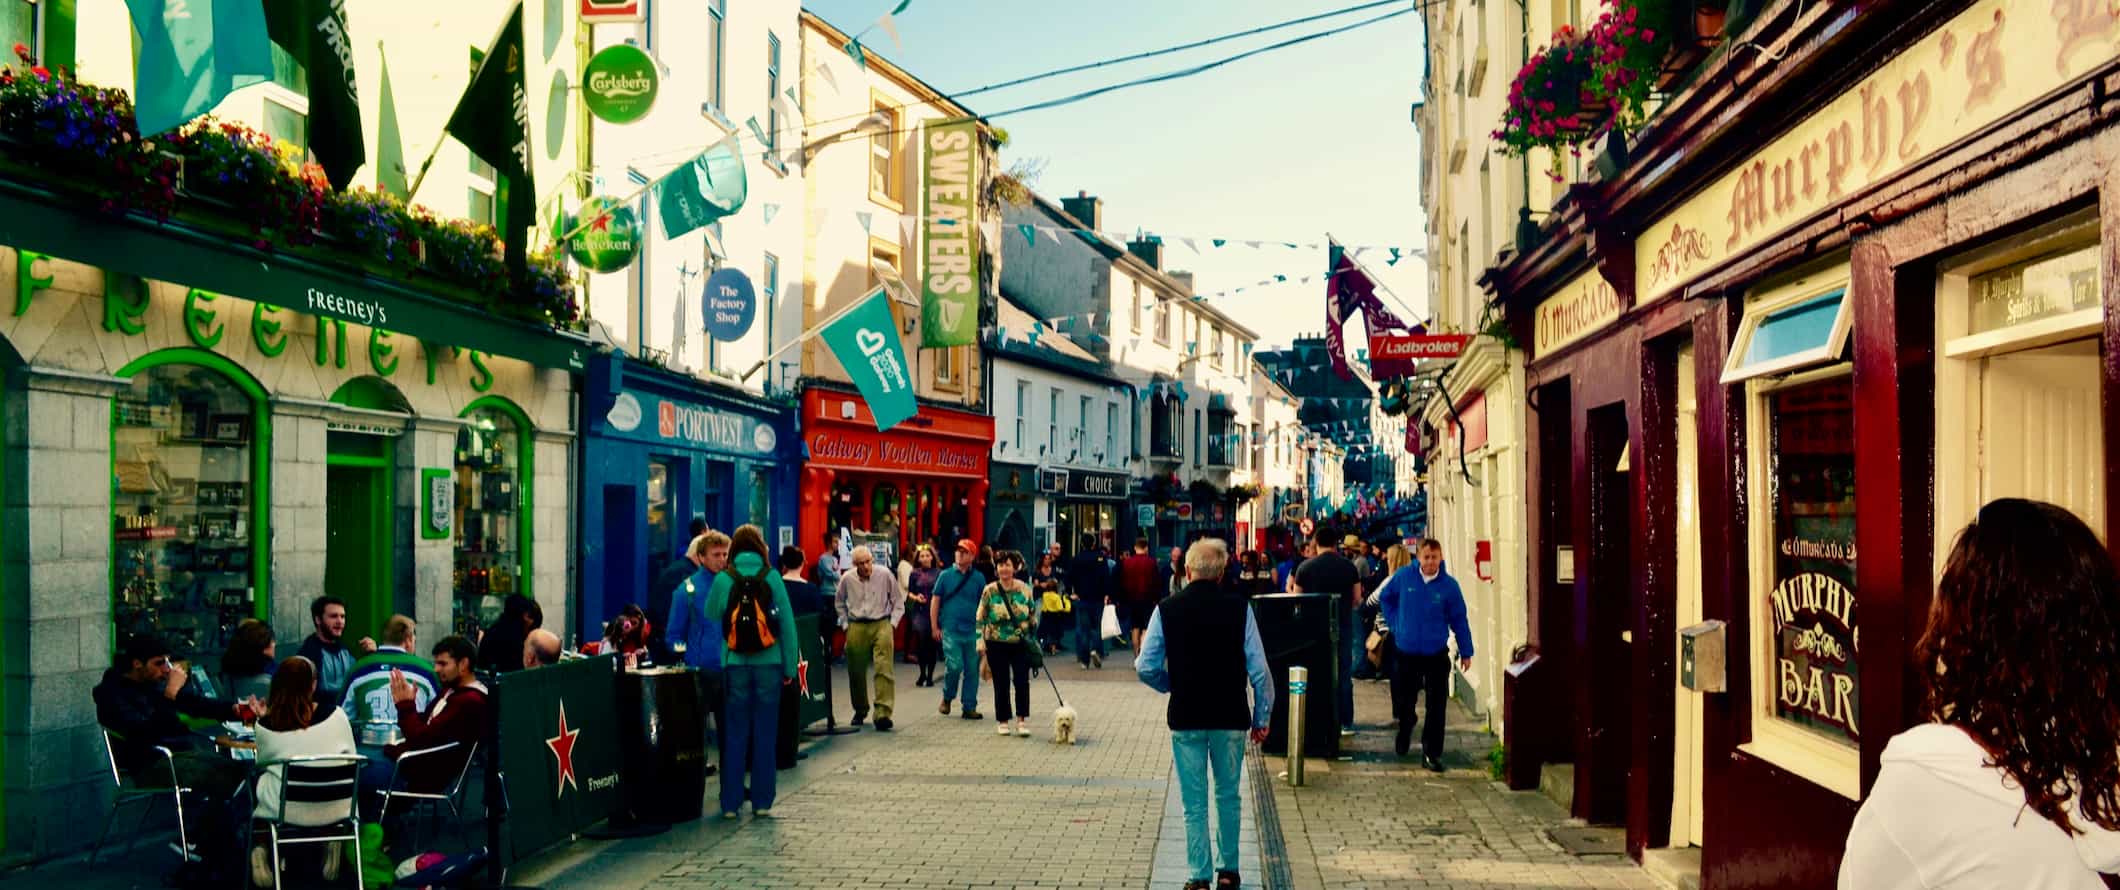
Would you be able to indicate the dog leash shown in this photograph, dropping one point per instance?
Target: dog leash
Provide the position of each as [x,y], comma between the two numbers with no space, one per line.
[1056,688]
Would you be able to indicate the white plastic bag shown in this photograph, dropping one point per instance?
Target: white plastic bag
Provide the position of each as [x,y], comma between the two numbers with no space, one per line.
[1111,622]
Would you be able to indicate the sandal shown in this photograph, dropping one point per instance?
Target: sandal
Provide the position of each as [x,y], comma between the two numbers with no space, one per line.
[1227,880]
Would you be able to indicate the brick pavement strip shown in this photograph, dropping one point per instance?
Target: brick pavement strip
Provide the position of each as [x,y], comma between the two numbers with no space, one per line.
[1375,822]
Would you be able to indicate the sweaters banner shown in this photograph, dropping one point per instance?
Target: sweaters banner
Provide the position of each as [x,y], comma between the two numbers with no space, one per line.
[949,182]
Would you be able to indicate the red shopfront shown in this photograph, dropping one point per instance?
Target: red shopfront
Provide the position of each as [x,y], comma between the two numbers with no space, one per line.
[923,480]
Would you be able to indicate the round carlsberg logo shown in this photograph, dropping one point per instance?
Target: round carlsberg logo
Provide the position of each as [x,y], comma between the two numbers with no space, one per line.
[606,235]
[619,84]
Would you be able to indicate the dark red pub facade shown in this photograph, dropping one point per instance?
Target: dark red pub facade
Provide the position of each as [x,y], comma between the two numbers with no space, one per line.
[1773,368]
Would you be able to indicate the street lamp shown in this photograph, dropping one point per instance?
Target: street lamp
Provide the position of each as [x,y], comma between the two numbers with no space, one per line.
[873,125]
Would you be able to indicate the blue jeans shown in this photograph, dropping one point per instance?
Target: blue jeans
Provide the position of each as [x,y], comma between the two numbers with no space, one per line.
[1197,752]
[753,712]
[960,668]
[1089,630]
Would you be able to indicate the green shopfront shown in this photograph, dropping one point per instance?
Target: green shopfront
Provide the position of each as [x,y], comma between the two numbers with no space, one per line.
[197,433]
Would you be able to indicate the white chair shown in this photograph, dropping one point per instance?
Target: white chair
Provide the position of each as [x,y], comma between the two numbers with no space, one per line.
[431,801]
[124,792]
[321,782]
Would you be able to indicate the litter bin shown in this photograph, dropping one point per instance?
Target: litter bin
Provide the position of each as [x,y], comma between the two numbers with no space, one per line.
[1303,630]
[665,770]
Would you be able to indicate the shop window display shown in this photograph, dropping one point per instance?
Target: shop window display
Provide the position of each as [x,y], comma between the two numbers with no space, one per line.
[181,494]
[488,518]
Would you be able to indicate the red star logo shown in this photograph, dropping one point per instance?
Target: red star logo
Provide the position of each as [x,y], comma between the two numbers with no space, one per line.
[802,676]
[602,223]
[562,746]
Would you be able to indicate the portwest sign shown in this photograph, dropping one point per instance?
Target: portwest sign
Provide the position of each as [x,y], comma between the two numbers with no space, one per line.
[619,83]
[708,428]
[1950,84]
[1575,311]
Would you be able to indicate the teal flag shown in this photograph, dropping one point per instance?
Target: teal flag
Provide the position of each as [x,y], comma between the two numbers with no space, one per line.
[193,53]
[865,340]
[702,191]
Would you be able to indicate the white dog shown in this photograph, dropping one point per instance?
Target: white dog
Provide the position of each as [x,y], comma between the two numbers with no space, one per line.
[1063,725]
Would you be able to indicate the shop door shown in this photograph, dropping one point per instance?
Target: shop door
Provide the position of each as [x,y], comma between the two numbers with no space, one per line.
[358,546]
[2041,432]
[1604,677]
[1689,722]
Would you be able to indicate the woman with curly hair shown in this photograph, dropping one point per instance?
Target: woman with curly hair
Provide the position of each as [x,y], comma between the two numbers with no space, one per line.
[2015,781]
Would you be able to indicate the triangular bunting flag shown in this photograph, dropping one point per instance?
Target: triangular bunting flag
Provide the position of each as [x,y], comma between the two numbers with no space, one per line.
[1291,244]
[771,210]
[866,218]
[1253,244]
[1053,234]
[889,27]
[1189,245]
[853,49]
[756,131]
[900,8]
[1394,257]
[992,229]
[1030,233]
[906,225]
[1220,241]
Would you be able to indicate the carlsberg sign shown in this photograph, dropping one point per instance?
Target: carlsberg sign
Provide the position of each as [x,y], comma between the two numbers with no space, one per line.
[619,84]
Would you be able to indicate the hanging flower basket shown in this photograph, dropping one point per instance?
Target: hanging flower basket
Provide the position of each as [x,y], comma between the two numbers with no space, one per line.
[1552,102]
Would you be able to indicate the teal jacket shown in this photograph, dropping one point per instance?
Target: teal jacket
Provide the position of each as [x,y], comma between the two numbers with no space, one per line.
[784,651]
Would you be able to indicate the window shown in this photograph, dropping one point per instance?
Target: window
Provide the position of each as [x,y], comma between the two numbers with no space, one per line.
[479,197]
[287,124]
[772,94]
[1238,445]
[770,295]
[1081,449]
[1215,350]
[1218,438]
[18,24]
[1196,439]
[1111,432]
[1805,715]
[886,185]
[717,30]
[1138,308]
[489,519]
[1052,424]
[948,364]
[289,74]
[883,267]
[1023,410]
[1162,320]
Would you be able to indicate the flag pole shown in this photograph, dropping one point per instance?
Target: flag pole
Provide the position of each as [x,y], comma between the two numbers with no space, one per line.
[422,175]
[810,334]
[1373,279]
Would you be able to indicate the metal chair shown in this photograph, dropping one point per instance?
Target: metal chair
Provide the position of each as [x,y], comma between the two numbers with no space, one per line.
[322,780]
[431,801]
[124,792]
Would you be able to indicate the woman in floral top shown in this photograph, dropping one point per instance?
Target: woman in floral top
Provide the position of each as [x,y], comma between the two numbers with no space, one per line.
[1008,625]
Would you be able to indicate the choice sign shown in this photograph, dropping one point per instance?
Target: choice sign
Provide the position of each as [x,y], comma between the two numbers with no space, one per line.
[731,305]
[609,235]
[619,83]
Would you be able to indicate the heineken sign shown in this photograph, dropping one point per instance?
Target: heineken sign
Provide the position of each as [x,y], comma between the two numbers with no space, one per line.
[606,235]
[619,84]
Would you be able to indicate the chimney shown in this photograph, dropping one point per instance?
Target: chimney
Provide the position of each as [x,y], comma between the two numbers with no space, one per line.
[1086,208]
[1149,248]
[1184,278]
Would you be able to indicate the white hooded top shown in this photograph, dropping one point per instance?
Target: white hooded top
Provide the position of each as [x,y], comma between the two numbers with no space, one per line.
[1939,818]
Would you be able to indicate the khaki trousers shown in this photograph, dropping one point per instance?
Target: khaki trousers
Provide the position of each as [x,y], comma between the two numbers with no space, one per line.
[869,650]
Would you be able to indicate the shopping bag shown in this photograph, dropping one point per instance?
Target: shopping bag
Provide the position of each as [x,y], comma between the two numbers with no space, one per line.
[1111,622]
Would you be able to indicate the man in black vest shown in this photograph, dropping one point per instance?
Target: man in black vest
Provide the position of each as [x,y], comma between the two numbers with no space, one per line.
[1202,647]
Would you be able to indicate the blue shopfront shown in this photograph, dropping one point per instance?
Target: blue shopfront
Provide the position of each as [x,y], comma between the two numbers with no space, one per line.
[658,449]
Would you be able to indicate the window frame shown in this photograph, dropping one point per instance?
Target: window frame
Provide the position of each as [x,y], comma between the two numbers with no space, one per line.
[1138,307]
[1162,320]
[769,294]
[889,146]
[1023,413]
[1083,429]
[1052,423]
[1111,432]
[717,68]
[772,140]
[1802,290]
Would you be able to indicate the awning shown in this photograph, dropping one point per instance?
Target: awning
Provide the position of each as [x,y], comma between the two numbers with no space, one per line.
[45,222]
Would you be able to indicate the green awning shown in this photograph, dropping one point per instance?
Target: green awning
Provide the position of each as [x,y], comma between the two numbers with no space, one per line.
[66,227]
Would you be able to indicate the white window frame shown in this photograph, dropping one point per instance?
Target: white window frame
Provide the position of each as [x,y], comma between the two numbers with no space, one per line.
[1801,290]
[1052,423]
[770,294]
[1082,440]
[1138,307]
[717,69]
[1162,320]
[1023,411]
[1111,433]
[772,140]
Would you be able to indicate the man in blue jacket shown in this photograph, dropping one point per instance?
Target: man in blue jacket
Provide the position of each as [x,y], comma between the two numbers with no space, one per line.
[1423,606]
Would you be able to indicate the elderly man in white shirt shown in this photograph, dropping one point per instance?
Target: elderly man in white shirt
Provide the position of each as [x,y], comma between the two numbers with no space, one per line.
[870,602]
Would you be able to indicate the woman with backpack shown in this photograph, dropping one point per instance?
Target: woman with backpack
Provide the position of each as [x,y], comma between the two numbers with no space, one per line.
[1008,627]
[758,627]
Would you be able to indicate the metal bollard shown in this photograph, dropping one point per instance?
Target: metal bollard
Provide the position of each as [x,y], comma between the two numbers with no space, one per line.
[1298,695]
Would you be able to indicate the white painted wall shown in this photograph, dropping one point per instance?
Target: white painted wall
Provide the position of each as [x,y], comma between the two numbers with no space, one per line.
[1013,380]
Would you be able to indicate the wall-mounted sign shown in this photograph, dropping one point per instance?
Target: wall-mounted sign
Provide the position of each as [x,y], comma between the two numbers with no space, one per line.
[625,414]
[1145,515]
[1394,354]
[609,236]
[729,304]
[1574,311]
[437,503]
[2042,288]
[1052,481]
[949,181]
[604,12]
[706,427]
[1096,486]
[620,82]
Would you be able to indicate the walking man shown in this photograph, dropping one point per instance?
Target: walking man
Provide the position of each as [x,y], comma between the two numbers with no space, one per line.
[870,602]
[953,612]
[1424,606]
[1202,647]
[1329,572]
[1141,584]
[1090,576]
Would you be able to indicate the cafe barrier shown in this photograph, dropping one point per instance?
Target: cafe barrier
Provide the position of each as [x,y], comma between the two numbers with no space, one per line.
[813,674]
[557,734]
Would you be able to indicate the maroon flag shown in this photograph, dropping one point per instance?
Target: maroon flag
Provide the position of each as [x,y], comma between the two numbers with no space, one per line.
[1349,289]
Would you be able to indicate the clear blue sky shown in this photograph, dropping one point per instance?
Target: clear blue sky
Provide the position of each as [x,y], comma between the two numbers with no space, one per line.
[1284,146]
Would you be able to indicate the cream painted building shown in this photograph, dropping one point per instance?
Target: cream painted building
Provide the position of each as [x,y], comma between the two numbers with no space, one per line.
[1278,450]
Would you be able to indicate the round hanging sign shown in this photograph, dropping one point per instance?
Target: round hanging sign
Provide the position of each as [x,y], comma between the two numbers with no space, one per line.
[609,236]
[729,304]
[619,83]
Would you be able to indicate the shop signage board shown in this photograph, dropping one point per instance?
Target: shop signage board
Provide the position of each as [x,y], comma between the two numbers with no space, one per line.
[658,420]
[1394,354]
[1144,515]
[949,183]
[2043,288]
[855,449]
[730,304]
[619,83]
[1098,486]
[606,235]
[1942,88]
[813,671]
[611,12]
[438,503]
[1577,310]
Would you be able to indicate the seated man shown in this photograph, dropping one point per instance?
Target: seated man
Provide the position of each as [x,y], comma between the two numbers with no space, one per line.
[540,649]
[142,700]
[457,714]
[368,686]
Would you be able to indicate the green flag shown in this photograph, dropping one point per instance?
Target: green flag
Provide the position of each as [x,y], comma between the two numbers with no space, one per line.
[389,142]
[705,189]
[493,120]
[865,340]
[192,55]
[314,32]
[949,182]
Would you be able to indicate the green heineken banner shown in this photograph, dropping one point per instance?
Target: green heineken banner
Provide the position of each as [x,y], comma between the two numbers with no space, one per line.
[558,737]
[705,189]
[619,83]
[816,701]
[949,243]
[865,340]
[608,238]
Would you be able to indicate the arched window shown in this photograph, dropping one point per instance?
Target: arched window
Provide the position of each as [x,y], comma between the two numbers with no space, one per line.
[187,561]
[494,462]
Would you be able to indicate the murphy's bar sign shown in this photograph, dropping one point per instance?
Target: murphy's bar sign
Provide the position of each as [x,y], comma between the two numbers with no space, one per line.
[1579,308]
[1099,486]
[1987,62]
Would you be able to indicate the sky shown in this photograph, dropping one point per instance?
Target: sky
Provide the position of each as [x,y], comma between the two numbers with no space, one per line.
[1281,147]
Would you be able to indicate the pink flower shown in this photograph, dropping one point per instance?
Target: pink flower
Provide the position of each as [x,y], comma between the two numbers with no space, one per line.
[1648,35]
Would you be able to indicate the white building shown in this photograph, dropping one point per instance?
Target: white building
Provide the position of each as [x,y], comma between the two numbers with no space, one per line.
[1061,415]
[1279,454]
